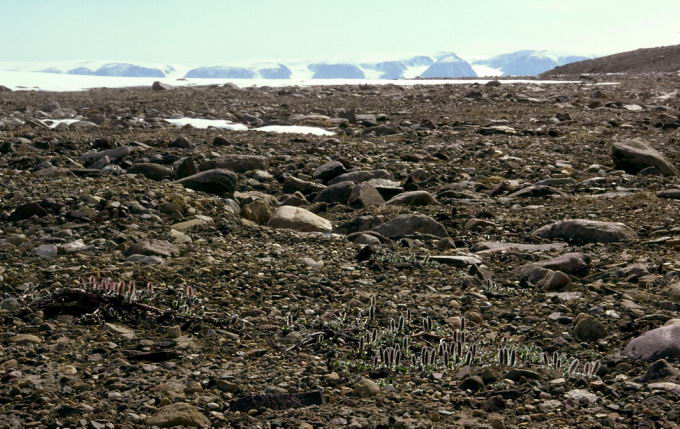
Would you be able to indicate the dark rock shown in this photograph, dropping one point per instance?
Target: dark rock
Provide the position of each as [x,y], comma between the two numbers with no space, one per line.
[186,168]
[365,195]
[382,130]
[329,171]
[27,211]
[160,86]
[589,329]
[456,261]
[360,224]
[473,383]
[338,193]
[182,143]
[673,194]
[633,156]
[278,401]
[659,370]
[219,182]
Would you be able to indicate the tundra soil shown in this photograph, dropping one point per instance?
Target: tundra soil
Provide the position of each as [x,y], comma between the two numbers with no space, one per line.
[426,322]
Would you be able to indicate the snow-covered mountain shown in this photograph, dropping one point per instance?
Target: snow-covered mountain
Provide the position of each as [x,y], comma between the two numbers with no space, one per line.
[450,65]
[527,62]
[441,65]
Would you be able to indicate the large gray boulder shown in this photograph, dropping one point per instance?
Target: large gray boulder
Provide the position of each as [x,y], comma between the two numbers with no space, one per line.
[361,176]
[411,224]
[581,231]
[298,219]
[218,181]
[659,343]
[633,156]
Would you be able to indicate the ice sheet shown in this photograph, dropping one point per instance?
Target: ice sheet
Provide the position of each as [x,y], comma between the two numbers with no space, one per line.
[23,80]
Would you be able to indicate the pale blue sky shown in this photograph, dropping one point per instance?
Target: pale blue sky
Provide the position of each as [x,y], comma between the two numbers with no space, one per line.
[218,31]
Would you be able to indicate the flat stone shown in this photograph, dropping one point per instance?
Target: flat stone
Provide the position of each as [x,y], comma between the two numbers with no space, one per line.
[413,198]
[122,331]
[151,171]
[293,184]
[146,259]
[237,163]
[194,223]
[665,385]
[361,176]
[582,231]
[25,339]
[673,194]
[112,154]
[489,247]
[46,250]
[456,261]
[409,224]
[151,247]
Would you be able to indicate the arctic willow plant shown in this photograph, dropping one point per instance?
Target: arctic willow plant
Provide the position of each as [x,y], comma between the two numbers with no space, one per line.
[406,343]
[129,293]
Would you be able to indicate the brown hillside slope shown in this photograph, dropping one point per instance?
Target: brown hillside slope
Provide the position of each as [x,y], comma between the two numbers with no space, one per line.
[662,59]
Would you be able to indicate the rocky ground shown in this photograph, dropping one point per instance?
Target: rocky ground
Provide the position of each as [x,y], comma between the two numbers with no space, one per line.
[455,256]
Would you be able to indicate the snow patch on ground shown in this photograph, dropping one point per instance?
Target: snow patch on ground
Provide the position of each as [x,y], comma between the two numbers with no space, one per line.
[294,129]
[227,125]
[53,123]
[207,123]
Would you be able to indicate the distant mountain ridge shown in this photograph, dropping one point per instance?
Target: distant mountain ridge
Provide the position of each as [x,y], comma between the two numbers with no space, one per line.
[442,65]
[648,60]
[527,62]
